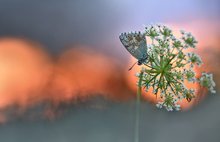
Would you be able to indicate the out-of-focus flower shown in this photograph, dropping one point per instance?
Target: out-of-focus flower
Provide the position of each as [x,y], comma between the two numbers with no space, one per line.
[206,80]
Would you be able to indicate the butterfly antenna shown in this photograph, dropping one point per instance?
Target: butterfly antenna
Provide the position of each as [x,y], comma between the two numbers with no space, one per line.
[132,66]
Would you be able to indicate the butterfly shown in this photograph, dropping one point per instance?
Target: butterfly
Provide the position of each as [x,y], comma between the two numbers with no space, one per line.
[136,44]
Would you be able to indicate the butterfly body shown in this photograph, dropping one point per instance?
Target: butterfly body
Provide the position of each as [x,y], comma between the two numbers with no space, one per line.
[136,45]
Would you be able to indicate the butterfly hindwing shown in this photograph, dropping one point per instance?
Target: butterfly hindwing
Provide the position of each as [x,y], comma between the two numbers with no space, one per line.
[136,44]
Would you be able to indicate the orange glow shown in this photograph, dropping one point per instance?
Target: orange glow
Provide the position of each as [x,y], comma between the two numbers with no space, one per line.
[81,73]
[28,77]
[24,71]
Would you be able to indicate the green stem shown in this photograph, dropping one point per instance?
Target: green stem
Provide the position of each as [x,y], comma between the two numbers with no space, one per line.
[137,116]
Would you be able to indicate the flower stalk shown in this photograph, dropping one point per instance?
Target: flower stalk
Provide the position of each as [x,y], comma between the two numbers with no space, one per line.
[137,115]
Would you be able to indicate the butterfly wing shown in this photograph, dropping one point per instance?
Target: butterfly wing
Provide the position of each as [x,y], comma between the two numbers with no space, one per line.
[135,43]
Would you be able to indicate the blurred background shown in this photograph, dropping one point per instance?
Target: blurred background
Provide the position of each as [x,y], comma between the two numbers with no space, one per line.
[64,73]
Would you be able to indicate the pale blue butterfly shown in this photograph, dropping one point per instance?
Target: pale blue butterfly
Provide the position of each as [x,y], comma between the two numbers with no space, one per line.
[136,44]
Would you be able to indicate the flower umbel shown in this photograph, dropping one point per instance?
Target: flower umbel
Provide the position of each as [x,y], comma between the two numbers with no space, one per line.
[169,66]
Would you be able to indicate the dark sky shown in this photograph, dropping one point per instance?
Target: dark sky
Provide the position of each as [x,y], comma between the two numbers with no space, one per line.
[98,23]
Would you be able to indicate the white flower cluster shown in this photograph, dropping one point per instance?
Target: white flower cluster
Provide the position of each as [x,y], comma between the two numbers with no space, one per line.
[194,59]
[169,66]
[170,104]
[206,80]
[189,39]
[190,75]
